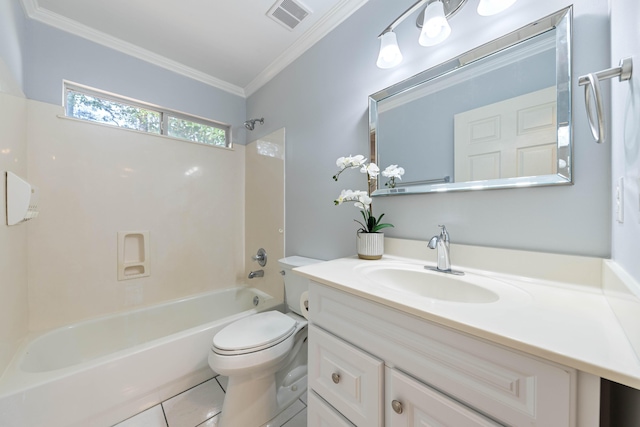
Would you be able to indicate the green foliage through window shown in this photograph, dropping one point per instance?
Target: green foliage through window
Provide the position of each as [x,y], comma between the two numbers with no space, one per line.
[92,105]
[197,132]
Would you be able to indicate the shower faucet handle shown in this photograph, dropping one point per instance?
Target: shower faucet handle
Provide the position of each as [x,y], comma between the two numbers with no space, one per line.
[261,257]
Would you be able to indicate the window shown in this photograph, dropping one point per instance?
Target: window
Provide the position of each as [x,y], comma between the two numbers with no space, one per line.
[93,105]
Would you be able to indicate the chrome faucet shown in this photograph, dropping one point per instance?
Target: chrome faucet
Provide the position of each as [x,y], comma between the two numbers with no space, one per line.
[257,273]
[441,244]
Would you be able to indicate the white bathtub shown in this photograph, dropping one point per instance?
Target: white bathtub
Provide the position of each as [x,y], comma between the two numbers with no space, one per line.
[101,371]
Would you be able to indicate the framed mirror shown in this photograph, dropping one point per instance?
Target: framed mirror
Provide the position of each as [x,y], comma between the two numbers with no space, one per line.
[498,116]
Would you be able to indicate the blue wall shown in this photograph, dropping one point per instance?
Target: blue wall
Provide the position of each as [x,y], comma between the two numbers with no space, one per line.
[52,55]
[321,99]
[12,34]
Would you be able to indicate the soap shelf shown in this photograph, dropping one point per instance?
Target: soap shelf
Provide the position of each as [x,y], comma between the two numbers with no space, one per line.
[133,254]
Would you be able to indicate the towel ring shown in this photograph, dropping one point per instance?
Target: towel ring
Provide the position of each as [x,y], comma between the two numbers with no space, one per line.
[595,123]
[592,91]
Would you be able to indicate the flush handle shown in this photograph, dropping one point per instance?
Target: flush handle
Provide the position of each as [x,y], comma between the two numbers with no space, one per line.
[397,407]
[335,377]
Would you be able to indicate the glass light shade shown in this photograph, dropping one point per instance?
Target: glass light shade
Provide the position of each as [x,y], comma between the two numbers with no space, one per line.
[390,54]
[492,7]
[435,28]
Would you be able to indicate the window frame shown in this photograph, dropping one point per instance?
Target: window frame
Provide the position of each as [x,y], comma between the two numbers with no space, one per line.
[165,113]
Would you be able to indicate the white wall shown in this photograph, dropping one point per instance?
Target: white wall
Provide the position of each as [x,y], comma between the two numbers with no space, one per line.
[96,180]
[322,101]
[13,240]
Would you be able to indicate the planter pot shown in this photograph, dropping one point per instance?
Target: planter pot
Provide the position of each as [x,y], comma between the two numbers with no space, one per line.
[370,245]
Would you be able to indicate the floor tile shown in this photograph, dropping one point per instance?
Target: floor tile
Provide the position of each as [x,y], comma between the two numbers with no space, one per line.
[211,422]
[300,420]
[152,417]
[195,405]
[286,415]
[223,381]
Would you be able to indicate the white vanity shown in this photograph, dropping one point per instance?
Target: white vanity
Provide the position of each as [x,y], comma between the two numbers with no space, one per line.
[524,344]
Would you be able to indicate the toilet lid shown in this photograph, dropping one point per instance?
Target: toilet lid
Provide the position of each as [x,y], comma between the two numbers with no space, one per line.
[256,331]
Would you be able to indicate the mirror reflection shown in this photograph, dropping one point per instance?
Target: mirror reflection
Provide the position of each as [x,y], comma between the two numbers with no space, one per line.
[495,117]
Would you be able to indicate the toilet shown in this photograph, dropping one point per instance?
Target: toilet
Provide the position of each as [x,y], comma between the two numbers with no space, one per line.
[265,356]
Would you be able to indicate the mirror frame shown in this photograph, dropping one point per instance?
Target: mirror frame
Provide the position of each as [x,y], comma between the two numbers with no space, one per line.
[561,21]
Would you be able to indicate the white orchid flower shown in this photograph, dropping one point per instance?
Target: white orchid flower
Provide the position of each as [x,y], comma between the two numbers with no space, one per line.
[364,201]
[350,195]
[372,169]
[393,171]
[350,161]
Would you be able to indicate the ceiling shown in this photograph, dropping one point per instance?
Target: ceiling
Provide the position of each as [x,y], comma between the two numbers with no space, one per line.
[230,44]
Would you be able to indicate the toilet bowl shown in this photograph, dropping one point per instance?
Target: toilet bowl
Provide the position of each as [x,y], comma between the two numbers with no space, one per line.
[265,357]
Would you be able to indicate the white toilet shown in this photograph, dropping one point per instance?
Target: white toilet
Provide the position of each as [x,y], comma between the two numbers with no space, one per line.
[265,357]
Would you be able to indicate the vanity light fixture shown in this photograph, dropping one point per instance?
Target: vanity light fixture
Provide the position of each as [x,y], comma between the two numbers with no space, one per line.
[435,27]
[433,20]
[390,54]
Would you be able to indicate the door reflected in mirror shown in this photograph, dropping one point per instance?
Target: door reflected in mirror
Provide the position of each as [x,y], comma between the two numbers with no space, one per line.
[495,117]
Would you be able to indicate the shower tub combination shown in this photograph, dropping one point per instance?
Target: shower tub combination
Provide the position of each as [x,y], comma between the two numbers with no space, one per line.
[101,371]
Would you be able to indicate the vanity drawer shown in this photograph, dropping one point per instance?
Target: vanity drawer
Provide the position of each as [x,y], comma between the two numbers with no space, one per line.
[410,403]
[509,386]
[349,379]
[321,414]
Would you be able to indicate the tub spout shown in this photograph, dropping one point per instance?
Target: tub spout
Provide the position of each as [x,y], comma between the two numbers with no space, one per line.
[257,273]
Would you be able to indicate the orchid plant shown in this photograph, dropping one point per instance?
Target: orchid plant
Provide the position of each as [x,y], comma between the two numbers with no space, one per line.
[392,172]
[362,199]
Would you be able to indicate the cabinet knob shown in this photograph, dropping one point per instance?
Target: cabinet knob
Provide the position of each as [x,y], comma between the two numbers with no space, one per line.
[335,377]
[397,406]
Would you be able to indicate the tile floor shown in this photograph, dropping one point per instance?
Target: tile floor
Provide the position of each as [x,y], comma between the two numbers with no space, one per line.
[200,407]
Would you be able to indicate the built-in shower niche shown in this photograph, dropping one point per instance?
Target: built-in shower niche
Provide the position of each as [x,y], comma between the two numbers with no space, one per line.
[133,254]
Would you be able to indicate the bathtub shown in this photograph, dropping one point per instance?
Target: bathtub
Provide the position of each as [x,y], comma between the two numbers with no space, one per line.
[101,371]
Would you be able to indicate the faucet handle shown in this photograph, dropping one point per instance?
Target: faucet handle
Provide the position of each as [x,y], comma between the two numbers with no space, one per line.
[261,257]
[444,234]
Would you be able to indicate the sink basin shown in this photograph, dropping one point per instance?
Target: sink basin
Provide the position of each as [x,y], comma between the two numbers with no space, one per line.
[415,280]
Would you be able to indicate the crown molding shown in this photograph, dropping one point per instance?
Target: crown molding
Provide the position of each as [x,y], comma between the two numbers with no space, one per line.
[338,14]
[35,12]
[331,20]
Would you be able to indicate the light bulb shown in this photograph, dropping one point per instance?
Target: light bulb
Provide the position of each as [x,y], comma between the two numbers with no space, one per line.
[492,7]
[435,27]
[390,54]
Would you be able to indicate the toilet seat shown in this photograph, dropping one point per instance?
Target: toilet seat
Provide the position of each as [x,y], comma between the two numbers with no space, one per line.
[254,333]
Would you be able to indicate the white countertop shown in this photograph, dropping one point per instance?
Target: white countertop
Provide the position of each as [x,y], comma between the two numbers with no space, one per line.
[566,323]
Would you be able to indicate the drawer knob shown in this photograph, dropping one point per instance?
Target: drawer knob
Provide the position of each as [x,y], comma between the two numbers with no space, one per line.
[397,406]
[335,377]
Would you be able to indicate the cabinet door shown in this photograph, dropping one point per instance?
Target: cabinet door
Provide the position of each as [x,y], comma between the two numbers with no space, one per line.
[410,403]
[320,414]
[346,377]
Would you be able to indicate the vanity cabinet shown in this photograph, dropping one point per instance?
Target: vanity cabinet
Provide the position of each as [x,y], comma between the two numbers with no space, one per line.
[377,366]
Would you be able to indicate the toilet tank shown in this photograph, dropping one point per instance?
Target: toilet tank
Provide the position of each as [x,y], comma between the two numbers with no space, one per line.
[294,284]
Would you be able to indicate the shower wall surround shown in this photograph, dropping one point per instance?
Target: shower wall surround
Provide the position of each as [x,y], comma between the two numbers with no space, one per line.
[264,209]
[13,240]
[96,180]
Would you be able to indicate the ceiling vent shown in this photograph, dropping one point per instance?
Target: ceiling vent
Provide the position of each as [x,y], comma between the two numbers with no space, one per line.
[288,13]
